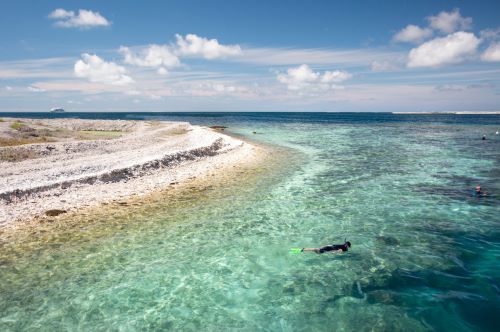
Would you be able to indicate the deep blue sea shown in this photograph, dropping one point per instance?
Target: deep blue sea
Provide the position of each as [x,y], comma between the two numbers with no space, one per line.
[425,250]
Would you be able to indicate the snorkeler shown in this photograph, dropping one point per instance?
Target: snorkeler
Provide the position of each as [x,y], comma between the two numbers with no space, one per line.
[479,192]
[339,248]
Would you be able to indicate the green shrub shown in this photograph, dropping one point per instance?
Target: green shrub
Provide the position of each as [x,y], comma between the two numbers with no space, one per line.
[17,125]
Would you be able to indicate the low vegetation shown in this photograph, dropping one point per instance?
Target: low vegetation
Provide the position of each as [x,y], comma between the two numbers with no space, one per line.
[21,141]
[17,125]
[23,134]
[12,155]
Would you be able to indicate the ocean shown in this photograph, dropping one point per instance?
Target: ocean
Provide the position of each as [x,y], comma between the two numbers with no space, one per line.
[400,187]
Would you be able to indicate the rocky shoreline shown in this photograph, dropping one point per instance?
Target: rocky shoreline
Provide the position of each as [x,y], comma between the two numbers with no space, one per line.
[136,157]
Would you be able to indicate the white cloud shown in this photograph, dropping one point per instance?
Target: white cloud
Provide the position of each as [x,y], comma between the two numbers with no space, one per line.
[448,22]
[152,56]
[315,56]
[84,19]
[96,69]
[162,71]
[336,76]
[490,34]
[303,77]
[298,77]
[492,53]
[192,45]
[8,88]
[164,57]
[381,66]
[213,89]
[412,34]
[35,89]
[36,68]
[81,86]
[450,49]
[61,13]
[223,88]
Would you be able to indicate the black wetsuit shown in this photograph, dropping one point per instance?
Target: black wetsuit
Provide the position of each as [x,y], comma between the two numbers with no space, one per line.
[333,247]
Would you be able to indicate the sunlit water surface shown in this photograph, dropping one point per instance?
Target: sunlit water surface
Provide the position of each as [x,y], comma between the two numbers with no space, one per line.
[212,257]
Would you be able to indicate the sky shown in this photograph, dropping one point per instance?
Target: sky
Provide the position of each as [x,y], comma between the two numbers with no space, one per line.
[333,56]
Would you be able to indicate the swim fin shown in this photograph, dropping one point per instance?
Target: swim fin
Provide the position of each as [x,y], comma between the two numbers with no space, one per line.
[295,250]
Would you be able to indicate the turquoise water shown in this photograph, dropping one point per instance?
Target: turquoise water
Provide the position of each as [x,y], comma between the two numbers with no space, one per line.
[425,252]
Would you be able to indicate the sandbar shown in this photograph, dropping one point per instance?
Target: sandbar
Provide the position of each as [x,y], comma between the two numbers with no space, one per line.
[54,166]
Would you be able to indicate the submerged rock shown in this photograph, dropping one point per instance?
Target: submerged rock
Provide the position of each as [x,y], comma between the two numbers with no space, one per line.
[218,127]
[381,296]
[388,240]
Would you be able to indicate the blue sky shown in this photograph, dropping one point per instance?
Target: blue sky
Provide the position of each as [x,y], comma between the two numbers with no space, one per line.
[250,55]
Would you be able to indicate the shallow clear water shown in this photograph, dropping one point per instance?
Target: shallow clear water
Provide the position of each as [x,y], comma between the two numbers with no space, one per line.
[425,252]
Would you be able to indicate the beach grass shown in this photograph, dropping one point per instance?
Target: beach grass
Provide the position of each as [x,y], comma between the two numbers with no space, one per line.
[17,125]
[22,141]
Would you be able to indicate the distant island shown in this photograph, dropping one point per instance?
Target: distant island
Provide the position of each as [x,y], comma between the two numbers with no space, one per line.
[57,110]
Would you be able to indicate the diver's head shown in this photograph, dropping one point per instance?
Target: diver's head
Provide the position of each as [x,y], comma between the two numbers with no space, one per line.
[348,243]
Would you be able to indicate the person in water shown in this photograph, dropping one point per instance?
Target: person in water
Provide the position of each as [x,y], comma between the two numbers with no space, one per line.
[339,248]
[479,192]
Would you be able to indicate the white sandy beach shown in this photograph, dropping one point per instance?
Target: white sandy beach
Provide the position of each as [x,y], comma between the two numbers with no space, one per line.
[135,158]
